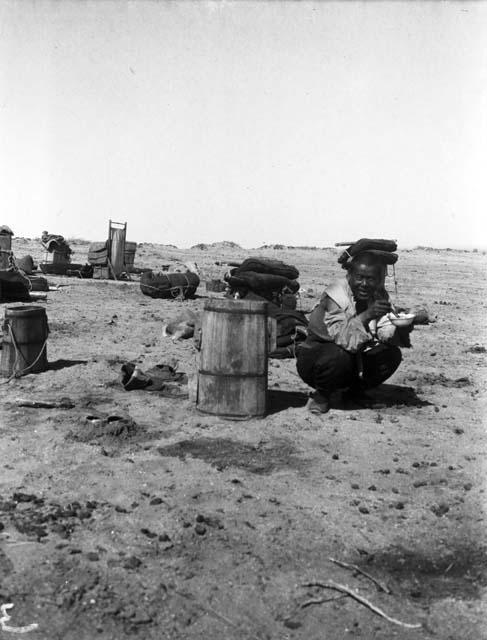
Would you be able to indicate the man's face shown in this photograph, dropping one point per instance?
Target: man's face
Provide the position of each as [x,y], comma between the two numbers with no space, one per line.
[364,280]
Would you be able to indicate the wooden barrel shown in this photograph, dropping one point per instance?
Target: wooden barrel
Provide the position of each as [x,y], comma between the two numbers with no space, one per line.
[232,377]
[129,254]
[25,333]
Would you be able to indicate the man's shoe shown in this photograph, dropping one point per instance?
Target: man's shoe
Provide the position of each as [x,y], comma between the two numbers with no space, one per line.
[318,403]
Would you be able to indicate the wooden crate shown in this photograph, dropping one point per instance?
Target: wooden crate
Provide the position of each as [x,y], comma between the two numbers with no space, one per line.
[101,273]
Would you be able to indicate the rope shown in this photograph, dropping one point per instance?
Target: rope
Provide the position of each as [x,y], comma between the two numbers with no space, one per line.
[18,353]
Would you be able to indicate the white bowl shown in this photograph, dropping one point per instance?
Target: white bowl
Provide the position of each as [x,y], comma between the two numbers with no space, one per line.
[404,320]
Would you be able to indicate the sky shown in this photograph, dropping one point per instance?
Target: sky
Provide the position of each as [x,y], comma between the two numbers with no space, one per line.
[298,123]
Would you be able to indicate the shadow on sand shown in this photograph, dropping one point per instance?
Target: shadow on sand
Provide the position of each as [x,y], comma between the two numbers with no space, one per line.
[63,364]
[394,395]
[279,400]
[387,395]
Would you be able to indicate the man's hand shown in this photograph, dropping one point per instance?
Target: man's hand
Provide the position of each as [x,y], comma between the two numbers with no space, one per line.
[375,310]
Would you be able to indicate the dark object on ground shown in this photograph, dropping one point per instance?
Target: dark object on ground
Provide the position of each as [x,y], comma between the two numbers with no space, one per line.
[162,378]
[59,268]
[86,271]
[26,265]
[101,425]
[169,285]
[38,283]
[477,348]
[14,287]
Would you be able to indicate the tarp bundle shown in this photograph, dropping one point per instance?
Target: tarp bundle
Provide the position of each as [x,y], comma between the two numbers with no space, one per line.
[55,243]
[38,283]
[169,285]
[269,266]
[265,277]
[382,248]
[26,265]
[14,287]
[291,330]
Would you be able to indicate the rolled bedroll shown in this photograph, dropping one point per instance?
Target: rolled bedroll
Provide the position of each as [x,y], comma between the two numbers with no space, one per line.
[260,281]
[269,266]
[169,285]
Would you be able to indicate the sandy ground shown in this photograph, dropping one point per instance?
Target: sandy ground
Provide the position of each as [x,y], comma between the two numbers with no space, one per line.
[184,525]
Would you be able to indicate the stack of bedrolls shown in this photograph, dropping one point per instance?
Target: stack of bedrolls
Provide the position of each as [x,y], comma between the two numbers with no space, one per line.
[275,282]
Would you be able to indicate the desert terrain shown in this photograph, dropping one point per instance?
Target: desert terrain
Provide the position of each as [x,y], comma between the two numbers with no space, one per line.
[182,525]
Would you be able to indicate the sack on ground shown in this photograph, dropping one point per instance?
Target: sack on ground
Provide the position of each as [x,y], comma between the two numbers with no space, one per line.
[169,285]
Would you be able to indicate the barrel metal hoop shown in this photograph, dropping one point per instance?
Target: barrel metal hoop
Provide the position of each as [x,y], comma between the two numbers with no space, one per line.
[239,312]
[202,372]
[231,416]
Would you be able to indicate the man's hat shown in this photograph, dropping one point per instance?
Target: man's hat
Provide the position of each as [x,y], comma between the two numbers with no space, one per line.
[383,249]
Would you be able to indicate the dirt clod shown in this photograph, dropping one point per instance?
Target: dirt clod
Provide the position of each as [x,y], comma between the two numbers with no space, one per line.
[132,562]
[440,509]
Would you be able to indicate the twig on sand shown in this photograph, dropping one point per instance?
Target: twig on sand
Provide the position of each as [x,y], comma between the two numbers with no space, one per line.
[218,615]
[5,618]
[355,567]
[353,594]
[308,603]
[44,404]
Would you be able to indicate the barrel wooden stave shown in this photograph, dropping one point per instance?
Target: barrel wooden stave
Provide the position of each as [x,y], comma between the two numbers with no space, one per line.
[129,254]
[236,397]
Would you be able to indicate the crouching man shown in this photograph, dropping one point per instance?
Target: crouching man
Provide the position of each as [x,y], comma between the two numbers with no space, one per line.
[344,349]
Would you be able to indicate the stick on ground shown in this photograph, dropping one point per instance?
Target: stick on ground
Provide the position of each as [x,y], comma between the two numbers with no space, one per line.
[308,603]
[353,594]
[355,567]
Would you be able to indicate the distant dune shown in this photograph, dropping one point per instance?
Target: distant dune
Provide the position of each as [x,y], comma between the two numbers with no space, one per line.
[224,244]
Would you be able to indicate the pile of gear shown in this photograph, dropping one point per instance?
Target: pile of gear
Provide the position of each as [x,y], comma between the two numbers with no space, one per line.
[275,282]
[16,274]
[57,245]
